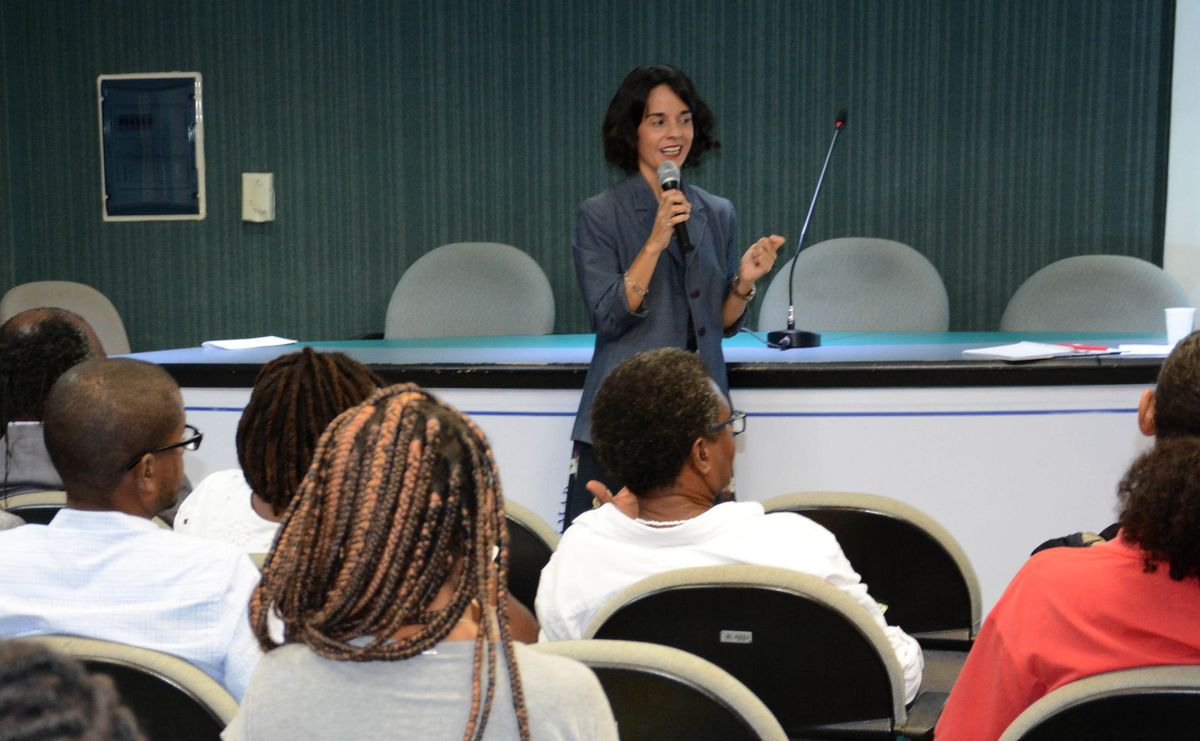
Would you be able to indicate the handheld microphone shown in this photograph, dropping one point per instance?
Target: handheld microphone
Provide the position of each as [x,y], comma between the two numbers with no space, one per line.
[786,339]
[669,179]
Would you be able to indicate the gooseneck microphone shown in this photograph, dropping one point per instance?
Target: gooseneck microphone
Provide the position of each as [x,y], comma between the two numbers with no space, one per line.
[786,339]
[669,179]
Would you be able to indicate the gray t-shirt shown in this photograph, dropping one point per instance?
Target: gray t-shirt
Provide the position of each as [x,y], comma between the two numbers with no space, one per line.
[296,694]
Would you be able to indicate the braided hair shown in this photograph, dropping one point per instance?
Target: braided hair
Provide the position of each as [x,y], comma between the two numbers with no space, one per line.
[44,695]
[294,398]
[402,498]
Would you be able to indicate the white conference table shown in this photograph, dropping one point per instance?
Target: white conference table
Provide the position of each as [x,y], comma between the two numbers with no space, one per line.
[1004,455]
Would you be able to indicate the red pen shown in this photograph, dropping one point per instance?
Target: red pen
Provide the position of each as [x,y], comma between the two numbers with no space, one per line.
[1077,346]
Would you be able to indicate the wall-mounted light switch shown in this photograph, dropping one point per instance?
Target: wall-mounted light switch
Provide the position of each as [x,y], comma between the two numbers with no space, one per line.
[258,196]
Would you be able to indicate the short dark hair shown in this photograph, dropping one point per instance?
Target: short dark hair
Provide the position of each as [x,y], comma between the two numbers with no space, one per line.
[294,399]
[647,415]
[101,414]
[1160,505]
[1177,393]
[46,695]
[628,107]
[36,347]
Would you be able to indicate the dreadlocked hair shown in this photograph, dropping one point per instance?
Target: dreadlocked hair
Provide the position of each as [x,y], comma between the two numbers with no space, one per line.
[44,695]
[294,398]
[402,498]
[1160,505]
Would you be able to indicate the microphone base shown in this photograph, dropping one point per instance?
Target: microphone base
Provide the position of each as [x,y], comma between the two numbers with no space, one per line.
[790,339]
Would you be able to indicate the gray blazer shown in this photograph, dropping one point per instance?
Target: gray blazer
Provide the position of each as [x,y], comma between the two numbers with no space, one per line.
[609,231]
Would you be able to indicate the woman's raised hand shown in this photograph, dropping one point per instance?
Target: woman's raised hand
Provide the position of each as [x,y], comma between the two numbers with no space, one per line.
[673,208]
[758,260]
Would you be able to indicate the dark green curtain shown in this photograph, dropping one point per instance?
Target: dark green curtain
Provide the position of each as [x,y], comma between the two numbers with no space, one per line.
[994,136]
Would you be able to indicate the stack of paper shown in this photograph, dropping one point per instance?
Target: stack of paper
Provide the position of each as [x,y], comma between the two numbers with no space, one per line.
[1036,351]
[247,343]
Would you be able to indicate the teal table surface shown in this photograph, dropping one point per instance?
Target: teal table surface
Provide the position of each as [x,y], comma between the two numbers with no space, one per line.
[852,359]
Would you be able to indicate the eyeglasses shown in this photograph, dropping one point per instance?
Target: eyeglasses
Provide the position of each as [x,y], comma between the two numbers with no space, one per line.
[736,423]
[191,441]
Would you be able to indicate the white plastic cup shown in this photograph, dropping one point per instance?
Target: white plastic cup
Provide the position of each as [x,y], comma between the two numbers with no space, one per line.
[1180,321]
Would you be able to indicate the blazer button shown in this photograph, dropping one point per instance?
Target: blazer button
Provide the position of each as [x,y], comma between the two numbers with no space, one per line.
[701,332]
[695,293]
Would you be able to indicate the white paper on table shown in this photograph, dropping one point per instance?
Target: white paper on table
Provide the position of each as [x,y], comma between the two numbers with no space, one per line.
[247,343]
[1031,351]
[1160,350]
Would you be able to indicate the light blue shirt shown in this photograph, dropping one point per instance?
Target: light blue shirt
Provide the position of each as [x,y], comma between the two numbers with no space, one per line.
[121,578]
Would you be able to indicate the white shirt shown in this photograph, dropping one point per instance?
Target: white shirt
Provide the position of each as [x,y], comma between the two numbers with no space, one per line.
[605,551]
[219,508]
[121,578]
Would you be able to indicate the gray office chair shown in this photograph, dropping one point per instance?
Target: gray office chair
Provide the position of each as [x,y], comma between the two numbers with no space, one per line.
[172,700]
[84,300]
[531,542]
[1094,293]
[1151,703]
[39,507]
[471,289]
[807,649]
[909,561]
[657,692]
[859,284]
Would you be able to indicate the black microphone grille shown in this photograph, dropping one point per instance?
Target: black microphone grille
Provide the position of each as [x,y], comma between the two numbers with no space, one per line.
[841,119]
[668,172]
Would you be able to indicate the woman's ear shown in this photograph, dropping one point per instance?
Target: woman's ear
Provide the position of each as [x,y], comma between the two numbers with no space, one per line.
[1145,414]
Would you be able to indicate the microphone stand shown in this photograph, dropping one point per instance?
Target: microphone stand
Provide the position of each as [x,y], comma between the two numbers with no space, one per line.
[790,338]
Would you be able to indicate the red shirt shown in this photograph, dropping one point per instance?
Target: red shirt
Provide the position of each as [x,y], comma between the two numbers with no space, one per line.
[1070,613]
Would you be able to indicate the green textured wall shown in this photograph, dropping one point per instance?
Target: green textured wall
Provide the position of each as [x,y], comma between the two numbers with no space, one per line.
[995,137]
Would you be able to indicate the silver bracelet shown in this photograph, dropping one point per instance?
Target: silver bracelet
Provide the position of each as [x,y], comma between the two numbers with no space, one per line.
[633,284]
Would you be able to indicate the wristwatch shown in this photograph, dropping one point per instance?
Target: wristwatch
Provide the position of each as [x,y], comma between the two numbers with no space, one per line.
[748,297]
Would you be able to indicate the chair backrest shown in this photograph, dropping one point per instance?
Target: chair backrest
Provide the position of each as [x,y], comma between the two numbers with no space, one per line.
[531,542]
[172,700]
[658,692]
[34,507]
[82,299]
[908,560]
[807,649]
[40,507]
[470,289]
[1145,704]
[859,284]
[1093,293]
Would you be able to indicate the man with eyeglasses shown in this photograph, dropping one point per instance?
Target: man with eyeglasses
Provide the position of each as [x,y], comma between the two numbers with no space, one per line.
[661,426]
[36,347]
[102,568]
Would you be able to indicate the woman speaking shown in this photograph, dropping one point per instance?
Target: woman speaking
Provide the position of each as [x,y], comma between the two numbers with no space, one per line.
[643,288]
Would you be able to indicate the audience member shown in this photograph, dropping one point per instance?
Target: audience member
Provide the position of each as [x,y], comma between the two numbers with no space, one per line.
[1179,381]
[115,432]
[36,347]
[664,428]
[388,575]
[294,398]
[44,695]
[1133,601]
